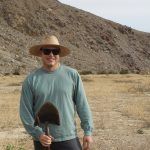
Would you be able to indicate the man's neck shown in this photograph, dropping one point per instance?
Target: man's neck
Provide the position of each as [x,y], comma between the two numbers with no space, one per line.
[51,68]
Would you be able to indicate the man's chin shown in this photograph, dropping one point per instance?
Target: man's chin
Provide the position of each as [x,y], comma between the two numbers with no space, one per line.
[50,65]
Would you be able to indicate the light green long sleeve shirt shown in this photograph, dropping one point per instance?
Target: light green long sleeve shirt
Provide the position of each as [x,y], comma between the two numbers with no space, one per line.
[64,89]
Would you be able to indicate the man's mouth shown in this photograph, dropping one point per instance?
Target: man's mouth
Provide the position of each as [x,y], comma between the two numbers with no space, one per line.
[50,59]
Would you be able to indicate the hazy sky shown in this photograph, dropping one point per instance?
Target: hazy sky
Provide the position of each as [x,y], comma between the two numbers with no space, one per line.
[133,13]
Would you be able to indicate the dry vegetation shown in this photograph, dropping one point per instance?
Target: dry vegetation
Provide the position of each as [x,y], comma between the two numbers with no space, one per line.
[120,105]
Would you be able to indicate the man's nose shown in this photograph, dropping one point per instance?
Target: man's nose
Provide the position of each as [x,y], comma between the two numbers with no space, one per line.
[51,54]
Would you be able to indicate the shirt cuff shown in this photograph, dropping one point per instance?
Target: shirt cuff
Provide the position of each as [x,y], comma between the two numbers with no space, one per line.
[87,133]
[39,132]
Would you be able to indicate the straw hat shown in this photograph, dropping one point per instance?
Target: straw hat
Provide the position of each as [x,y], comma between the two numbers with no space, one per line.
[50,41]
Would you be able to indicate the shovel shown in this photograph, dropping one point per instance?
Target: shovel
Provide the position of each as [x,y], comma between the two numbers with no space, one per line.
[48,113]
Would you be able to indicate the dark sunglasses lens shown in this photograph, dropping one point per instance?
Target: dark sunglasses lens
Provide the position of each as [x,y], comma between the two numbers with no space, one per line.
[47,51]
[55,51]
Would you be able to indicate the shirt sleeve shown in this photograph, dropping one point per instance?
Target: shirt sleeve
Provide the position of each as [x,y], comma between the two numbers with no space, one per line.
[26,111]
[82,107]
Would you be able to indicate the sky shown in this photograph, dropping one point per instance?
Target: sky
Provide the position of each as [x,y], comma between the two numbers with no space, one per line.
[132,13]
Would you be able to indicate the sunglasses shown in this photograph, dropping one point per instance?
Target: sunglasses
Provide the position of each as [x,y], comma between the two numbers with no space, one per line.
[47,51]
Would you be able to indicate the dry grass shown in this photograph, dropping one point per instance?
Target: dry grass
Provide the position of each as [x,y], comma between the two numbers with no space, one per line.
[120,105]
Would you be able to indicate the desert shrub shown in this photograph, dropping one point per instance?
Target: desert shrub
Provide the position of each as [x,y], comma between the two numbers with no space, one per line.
[16,71]
[101,72]
[87,79]
[140,131]
[111,72]
[124,71]
[13,147]
[6,74]
[140,88]
[125,29]
[107,72]
[85,72]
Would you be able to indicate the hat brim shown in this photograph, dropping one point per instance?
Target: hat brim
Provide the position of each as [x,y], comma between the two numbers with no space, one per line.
[35,50]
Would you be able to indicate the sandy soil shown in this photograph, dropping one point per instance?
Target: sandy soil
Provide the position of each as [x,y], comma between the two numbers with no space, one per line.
[120,106]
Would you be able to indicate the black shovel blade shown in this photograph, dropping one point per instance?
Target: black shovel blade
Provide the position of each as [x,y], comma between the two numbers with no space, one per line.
[48,113]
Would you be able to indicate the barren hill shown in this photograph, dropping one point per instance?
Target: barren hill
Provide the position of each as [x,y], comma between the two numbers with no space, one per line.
[98,45]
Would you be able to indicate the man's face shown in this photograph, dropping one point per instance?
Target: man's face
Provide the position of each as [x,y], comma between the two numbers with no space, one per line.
[50,56]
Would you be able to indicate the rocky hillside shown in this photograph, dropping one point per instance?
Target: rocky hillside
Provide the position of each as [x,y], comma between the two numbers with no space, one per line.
[97,45]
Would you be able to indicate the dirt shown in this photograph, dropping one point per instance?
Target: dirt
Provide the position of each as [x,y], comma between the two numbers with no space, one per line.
[119,103]
[114,131]
[97,45]
[115,128]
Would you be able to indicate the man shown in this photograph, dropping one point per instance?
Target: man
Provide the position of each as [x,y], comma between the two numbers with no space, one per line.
[62,86]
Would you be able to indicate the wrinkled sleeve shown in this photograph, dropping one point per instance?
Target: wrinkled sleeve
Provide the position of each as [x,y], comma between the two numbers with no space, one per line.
[26,110]
[82,107]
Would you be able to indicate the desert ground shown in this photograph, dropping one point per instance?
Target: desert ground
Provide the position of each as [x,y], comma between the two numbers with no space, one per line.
[120,106]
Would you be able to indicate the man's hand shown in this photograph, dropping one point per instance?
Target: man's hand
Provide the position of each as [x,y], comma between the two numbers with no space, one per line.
[45,140]
[87,141]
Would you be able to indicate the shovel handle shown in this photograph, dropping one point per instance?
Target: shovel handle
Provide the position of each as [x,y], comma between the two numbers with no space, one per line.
[46,133]
[47,129]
